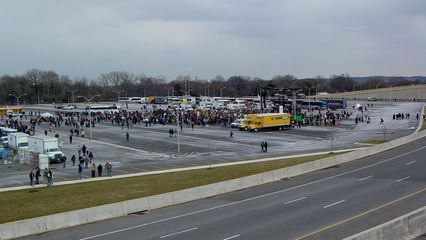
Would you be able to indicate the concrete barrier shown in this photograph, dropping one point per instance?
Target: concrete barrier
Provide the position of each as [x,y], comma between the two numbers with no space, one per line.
[408,226]
[73,218]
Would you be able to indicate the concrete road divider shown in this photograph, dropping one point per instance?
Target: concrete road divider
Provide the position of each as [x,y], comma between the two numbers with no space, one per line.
[73,218]
[408,226]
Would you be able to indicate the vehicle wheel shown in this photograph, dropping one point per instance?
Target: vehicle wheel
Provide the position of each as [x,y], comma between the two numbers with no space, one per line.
[246,128]
[255,129]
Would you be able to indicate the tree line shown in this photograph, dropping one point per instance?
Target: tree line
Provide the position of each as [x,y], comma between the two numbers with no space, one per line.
[41,86]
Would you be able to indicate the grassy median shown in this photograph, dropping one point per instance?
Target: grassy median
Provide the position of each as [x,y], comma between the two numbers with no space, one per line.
[24,204]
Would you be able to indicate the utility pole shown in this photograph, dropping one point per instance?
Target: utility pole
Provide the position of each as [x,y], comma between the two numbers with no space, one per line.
[89,100]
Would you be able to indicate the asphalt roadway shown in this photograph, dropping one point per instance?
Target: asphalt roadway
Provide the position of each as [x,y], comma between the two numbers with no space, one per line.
[329,204]
[151,148]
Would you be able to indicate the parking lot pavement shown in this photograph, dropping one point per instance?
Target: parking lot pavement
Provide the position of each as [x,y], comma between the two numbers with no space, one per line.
[151,148]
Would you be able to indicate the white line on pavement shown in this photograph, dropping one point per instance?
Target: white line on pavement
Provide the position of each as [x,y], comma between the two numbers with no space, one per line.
[362,179]
[402,179]
[232,237]
[341,201]
[295,200]
[122,171]
[410,162]
[176,233]
[252,198]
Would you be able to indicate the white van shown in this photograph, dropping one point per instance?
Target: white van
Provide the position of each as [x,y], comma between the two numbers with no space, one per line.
[237,123]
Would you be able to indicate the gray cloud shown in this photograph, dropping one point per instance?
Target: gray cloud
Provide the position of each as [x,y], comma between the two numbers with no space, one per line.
[258,38]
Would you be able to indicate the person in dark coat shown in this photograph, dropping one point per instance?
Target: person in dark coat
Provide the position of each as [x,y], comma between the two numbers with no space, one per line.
[37,176]
[100,170]
[31,178]
[262,145]
[266,146]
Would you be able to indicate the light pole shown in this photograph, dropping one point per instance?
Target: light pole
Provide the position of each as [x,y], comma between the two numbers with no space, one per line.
[73,98]
[221,89]
[178,136]
[168,91]
[309,96]
[17,97]
[118,93]
[89,100]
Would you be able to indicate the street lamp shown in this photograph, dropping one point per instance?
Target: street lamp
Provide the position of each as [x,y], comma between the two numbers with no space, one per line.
[168,91]
[309,95]
[118,93]
[178,128]
[221,89]
[17,97]
[73,98]
[89,100]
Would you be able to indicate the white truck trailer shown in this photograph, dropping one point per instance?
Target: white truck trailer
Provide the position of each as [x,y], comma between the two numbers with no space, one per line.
[46,145]
[17,140]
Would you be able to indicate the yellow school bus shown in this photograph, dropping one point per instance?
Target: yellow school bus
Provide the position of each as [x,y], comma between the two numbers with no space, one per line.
[8,110]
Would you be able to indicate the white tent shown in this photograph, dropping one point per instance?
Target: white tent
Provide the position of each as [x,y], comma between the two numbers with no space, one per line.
[46,115]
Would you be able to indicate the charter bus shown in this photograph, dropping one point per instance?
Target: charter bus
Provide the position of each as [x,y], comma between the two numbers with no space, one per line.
[103,108]
[123,100]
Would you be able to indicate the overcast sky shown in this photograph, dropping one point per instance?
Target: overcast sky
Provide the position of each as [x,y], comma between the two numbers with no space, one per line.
[260,38]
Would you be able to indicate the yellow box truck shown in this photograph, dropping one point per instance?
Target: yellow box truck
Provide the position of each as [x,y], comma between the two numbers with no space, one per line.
[258,122]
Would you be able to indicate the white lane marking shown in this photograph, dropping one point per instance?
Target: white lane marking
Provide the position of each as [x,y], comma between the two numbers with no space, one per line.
[176,233]
[295,200]
[402,179]
[341,201]
[410,162]
[250,199]
[232,237]
[362,179]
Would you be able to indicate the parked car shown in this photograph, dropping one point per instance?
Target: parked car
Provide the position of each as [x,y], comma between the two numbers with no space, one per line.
[69,107]
[372,99]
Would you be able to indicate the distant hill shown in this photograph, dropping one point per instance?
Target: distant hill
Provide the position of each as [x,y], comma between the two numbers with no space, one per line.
[418,79]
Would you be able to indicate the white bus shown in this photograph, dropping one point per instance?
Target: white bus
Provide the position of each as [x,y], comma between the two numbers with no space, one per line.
[138,100]
[103,108]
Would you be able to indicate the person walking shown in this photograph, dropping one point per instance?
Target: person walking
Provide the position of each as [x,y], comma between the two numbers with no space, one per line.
[49,178]
[93,170]
[37,176]
[108,167]
[73,158]
[64,159]
[80,171]
[83,149]
[266,146]
[45,175]
[32,178]
[100,170]
[86,161]
[262,145]
[91,156]
[127,137]
[70,138]
[231,134]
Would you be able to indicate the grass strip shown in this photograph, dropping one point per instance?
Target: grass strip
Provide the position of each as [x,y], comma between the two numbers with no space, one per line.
[24,204]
